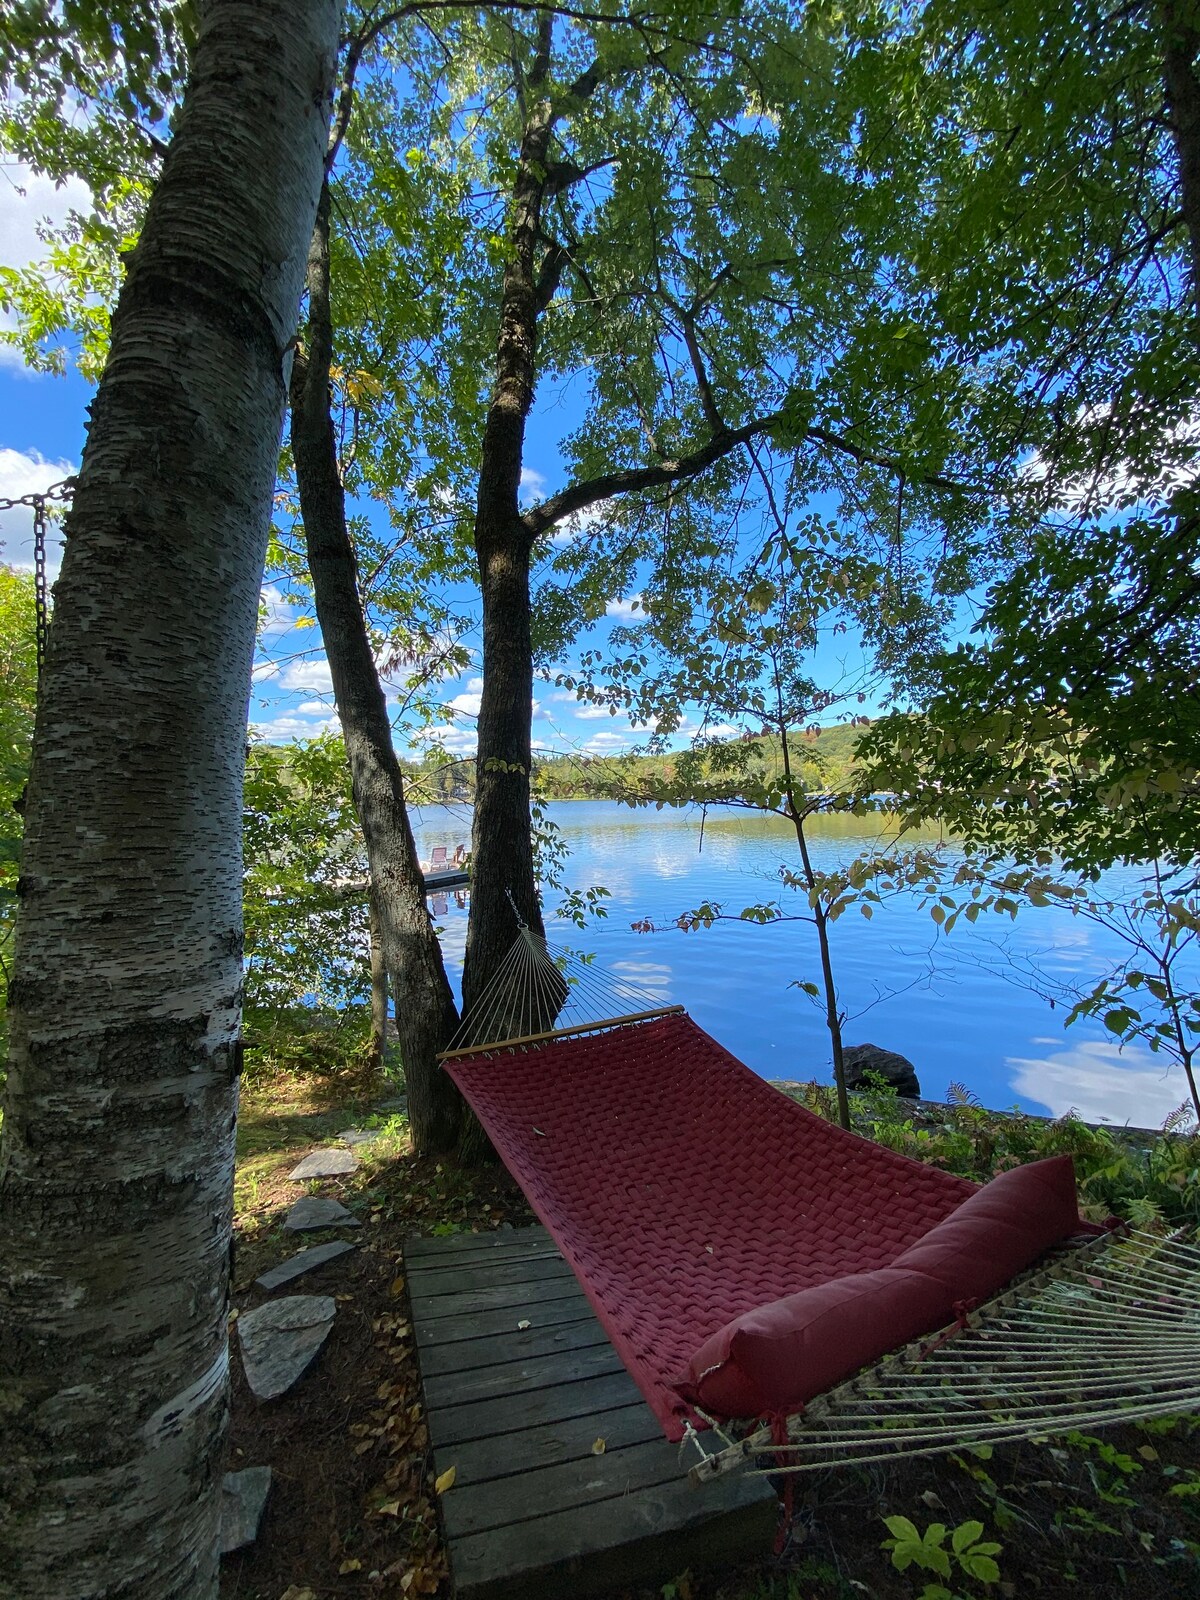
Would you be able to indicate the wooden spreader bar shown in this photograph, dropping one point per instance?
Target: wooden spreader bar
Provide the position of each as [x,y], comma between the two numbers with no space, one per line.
[559,1033]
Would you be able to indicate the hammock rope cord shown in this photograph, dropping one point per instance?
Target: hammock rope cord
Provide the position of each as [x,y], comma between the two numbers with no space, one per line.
[1109,1334]
[541,990]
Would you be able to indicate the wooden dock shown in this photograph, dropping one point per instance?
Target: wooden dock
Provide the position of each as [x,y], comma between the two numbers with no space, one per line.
[440,879]
[539,1507]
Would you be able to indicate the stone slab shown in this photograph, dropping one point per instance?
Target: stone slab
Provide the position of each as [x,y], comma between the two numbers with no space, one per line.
[317,1211]
[280,1338]
[243,1496]
[324,1164]
[303,1261]
[356,1136]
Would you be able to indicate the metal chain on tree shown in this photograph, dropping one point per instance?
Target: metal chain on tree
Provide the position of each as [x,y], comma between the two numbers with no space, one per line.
[37,503]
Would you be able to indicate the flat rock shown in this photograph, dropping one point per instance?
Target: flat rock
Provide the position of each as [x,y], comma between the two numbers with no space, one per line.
[243,1496]
[279,1340]
[303,1261]
[324,1164]
[315,1211]
[353,1136]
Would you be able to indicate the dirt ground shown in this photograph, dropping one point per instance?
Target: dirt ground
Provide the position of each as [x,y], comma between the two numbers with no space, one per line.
[353,1508]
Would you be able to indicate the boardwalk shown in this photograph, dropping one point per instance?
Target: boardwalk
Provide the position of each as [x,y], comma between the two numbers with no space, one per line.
[537,1507]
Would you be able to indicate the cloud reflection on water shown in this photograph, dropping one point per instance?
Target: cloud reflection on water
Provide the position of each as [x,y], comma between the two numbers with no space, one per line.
[1101,1082]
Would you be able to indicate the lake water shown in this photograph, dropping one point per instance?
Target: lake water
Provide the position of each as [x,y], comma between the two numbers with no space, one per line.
[942,1001]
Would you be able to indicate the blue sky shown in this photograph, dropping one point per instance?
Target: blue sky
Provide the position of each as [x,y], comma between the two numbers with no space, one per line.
[42,423]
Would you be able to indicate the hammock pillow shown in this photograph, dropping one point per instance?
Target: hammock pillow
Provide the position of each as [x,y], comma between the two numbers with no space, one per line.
[771,1360]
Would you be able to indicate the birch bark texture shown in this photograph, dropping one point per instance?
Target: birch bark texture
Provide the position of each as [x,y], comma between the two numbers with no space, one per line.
[116,1164]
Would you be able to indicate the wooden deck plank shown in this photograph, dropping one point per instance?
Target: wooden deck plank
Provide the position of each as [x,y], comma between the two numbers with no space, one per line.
[538,1491]
[492,1460]
[491,1274]
[642,1537]
[497,1252]
[535,1510]
[557,1286]
[522,1376]
[490,1350]
[525,1239]
[484,1419]
[436,1332]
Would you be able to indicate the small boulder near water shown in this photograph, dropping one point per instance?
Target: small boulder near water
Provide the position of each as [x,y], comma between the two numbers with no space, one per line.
[316,1211]
[280,1338]
[243,1496]
[324,1164]
[897,1070]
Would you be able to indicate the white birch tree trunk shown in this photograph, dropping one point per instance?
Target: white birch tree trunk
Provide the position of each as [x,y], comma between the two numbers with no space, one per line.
[116,1162]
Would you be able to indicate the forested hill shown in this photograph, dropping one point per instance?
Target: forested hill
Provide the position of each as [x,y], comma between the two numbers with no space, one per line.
[823,759]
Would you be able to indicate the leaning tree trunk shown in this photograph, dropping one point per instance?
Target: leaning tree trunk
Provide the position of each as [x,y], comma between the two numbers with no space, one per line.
[116,1168]
[1181,79]
[379,994]
[502,843]
[424,1005]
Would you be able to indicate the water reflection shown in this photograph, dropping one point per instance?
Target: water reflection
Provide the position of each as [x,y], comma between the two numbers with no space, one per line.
[1095,1079]
[944,1002]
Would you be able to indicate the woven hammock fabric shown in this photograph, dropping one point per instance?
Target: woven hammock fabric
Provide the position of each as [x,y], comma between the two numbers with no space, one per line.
[684,1190]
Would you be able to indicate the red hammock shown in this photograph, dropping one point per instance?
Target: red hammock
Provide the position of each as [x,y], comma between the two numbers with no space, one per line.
[685,1191]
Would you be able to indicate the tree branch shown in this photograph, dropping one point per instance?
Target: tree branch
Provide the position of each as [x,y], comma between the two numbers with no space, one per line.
[633,480]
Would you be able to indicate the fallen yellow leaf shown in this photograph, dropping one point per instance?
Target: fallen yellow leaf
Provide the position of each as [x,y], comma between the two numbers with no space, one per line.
[445,1480]
[598,1448]
[391,1509]
[1148,1452]
[397,1286]
[353,1565]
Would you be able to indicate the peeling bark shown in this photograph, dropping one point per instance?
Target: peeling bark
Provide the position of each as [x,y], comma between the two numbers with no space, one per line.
[425,1011]
[116,1162]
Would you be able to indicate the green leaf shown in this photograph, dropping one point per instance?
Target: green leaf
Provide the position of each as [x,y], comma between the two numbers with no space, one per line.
[967,1533]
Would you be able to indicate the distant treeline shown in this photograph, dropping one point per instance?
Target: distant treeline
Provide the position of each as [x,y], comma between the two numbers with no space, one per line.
[822,757]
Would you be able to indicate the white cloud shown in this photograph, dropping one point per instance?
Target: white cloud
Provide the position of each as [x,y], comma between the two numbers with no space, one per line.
[533,486]
[27,200]
[312,708]
[634,606]
[468,703]
[578,524]
[590,713]
[458,741]
[277,614]
[22,474]
[606,744]
[313,675]
[1102,1083]
[1124,484]
[282,730]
